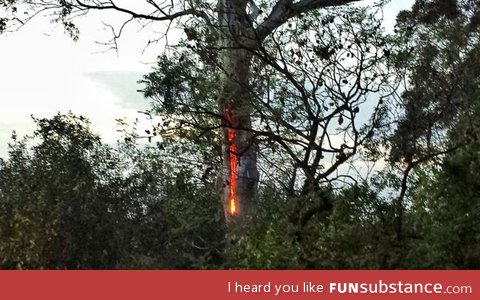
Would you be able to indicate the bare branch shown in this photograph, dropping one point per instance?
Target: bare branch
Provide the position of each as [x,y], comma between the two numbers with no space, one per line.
[164,17]
[287,9]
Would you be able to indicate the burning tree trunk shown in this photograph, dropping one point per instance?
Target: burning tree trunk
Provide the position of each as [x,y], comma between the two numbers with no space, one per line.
[239,179]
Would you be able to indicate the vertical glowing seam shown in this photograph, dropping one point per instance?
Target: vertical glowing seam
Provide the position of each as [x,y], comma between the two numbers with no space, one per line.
[232,150]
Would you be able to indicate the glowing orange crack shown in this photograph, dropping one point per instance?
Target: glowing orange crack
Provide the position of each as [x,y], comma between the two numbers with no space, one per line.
[232,204]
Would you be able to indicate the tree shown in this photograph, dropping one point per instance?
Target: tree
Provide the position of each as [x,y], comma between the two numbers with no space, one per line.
[437,137]
[271,58]
[438,51]
[306,93]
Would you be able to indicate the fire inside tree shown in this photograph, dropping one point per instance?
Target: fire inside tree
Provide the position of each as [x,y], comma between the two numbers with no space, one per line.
[232,205]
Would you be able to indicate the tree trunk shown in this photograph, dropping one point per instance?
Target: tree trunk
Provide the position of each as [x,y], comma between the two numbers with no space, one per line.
[239,180]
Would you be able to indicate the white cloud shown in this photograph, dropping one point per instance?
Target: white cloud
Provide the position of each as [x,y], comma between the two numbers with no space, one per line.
[44,72]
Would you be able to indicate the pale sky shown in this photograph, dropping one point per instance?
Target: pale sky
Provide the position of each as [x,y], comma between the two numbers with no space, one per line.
[42,72]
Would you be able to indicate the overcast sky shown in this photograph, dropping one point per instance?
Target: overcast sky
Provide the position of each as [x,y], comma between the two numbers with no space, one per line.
[42,72]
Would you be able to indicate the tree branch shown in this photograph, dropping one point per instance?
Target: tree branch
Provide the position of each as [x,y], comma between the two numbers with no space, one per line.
[165,17]
[287,9]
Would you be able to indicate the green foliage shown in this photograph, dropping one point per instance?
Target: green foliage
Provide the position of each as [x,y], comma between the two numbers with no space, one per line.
[447,211]
[441,63]
[440,125]
[69,202]
[267,241]
[357,232]
[51,213]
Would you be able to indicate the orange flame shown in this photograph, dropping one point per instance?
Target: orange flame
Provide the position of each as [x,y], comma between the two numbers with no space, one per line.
[232,150]
[233,207]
